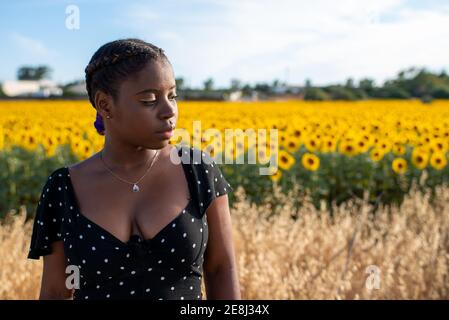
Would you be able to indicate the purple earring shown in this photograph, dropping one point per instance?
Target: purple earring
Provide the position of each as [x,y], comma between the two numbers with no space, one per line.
[99,125]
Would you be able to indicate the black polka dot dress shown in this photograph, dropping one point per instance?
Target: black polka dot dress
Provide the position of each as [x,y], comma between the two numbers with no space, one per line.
[168,266]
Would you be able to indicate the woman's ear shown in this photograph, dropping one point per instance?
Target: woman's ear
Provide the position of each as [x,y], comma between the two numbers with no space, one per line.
[103,104]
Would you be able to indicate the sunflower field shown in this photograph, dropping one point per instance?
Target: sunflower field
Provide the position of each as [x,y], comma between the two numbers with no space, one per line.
[333,151]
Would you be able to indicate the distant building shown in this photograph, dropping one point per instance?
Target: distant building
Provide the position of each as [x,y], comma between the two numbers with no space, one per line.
[76,89]
[211,95]
[31,88]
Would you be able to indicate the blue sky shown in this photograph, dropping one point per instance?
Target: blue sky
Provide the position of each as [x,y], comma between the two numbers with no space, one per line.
[291,40]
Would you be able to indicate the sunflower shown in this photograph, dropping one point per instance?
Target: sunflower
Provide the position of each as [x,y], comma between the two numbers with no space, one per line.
[419,158]
[438,145]
[292,145]
[398,149]
[328,145]
[362,145]
[438,160]
[312,144]
[286,161]
[310,161]
[399,165]
[384,145]
[276,176]
[376,154]
[348,148]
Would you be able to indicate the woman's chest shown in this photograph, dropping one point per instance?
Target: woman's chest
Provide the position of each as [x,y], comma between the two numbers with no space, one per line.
[179,244]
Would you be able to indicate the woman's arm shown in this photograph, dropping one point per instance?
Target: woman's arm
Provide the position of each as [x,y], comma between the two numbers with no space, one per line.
[53,286]
[220,271]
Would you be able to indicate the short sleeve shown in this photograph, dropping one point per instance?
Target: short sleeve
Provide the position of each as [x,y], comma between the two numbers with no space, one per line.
[47,220]
[211,181]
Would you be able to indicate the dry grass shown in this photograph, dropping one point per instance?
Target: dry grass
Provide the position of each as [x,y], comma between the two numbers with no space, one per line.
[312,257]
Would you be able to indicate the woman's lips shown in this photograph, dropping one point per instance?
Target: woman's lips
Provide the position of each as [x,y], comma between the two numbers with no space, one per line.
[167,134]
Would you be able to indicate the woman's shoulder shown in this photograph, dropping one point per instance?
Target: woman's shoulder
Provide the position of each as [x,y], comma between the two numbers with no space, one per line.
[57,174]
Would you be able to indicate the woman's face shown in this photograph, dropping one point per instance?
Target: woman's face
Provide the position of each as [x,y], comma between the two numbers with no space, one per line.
[144,106]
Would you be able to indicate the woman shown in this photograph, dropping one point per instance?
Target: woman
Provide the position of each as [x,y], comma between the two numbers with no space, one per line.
[141,219]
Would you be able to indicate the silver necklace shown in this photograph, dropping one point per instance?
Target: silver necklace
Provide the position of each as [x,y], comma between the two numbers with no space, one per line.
[134,184]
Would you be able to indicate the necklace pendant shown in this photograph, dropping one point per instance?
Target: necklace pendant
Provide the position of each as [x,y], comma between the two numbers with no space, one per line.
[136,188]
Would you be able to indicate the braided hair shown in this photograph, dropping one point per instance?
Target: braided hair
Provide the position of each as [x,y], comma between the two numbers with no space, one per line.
[112,63]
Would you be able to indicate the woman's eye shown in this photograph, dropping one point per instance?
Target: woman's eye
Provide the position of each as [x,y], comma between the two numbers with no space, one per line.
[173,98]
[148,102]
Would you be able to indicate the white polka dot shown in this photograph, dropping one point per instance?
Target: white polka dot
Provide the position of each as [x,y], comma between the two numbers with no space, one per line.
[199,182]
[216,179]
[218,193]
[93,248]
[182,260]
[193,219]
[98,286]
[121,283]
[71,208]
[122,268]
[86,297]
[89,226]
[132,292]
[162,278]
[127,255]
[98,272]
[149,269]
[147,290]
[191,288]
[54,220]
[70,247]
[184,235]
[108,295]
[173,225]
[182,298]
[160,261]
[49,204]
[194,245]
[207,171]
[84,261]
[201,229]
[106,260]
[116,248]
[163,240]
[102,237]
[172,288]
[60,204]
[172,250]
[185,277]
[133,272]
[81,236]
[201,204]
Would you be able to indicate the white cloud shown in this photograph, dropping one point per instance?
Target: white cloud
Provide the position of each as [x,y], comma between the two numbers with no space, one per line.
[326,41]
[30,45]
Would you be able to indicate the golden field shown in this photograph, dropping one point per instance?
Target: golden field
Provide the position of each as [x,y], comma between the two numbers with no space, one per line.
[312,257]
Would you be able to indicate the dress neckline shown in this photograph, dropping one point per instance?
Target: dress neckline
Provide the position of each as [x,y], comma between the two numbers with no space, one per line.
[133,237]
